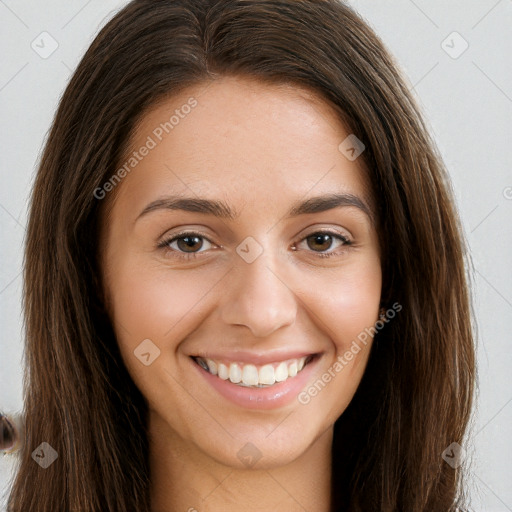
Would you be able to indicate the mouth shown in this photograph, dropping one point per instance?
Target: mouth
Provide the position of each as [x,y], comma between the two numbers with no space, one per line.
[257,381]
[252,375]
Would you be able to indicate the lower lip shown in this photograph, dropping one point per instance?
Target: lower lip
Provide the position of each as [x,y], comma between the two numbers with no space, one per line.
[270,397]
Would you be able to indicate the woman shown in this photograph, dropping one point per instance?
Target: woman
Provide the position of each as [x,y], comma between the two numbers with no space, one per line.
[244,277]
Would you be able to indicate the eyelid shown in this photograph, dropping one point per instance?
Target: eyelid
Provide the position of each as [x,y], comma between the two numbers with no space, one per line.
[346,242]
[164,244]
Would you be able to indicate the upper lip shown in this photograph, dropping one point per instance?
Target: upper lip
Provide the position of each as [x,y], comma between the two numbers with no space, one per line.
[254,357]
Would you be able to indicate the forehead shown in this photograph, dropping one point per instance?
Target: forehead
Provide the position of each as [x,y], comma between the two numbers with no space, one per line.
[241,139]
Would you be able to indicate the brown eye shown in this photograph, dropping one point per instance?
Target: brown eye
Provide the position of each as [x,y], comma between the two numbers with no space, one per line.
[185,245]
[322,241]
[189,243]
[319,241]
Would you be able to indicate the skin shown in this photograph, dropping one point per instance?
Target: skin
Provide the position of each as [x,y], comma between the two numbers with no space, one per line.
[259,148]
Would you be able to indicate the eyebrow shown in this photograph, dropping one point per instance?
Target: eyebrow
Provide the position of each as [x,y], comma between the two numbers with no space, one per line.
[222,210]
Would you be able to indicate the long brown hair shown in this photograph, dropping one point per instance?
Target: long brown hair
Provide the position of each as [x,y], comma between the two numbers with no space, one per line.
[416,395]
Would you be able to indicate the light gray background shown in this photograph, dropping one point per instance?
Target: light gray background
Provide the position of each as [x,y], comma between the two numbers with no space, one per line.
[467,102]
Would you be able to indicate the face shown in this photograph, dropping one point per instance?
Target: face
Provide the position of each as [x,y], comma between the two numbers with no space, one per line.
[240,264]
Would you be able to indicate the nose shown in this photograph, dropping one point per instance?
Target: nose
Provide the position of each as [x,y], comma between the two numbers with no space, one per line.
[258,297]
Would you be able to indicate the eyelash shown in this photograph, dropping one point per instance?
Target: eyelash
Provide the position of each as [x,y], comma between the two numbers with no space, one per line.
[164,244]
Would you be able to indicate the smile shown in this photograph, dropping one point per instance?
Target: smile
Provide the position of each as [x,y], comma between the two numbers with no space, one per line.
[251,375]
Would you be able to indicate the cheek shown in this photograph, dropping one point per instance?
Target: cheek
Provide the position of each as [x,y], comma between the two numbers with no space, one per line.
[346,300]
[346,308]
[150,301]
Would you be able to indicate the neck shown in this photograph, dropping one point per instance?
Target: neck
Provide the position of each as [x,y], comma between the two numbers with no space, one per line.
[185,478]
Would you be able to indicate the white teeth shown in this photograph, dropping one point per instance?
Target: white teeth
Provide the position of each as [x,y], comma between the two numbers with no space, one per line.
[281,372]
[223,372]
[252,375]
[235,373]
[212,366]
[266,374]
